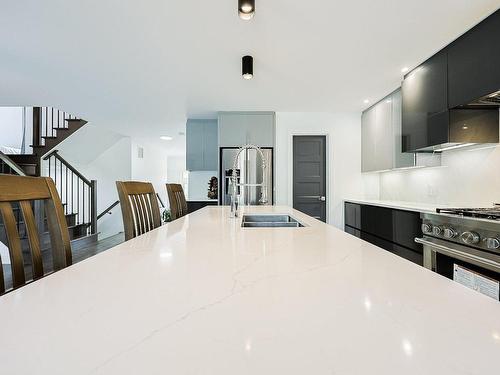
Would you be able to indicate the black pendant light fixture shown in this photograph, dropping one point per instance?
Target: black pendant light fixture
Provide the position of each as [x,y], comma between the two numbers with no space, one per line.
[246,9]
[247,67]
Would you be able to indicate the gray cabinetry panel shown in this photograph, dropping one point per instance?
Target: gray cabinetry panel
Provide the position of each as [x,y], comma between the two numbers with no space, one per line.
[239,128]
[381,139]
[201,145]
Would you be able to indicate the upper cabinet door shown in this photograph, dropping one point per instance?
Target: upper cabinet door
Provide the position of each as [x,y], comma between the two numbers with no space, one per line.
[401,159]
[260,129]
[368,129]
[201,145]
[194,145]
[474,63]
[231,133]
[425,104]
[210,146]
[384,142]
[239,128]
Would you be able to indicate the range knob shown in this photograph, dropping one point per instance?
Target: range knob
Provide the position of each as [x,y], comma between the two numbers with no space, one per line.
[470,238]
[492,243]
[437,230]
[426,228]
[450,233]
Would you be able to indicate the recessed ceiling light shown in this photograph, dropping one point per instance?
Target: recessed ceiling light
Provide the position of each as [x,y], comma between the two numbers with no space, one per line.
[366,101]
[246,9]
[405,69]
[166,138]
[247,67]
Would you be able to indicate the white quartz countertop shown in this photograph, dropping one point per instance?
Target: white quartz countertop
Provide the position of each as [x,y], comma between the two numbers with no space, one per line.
[408,206]
[202,295]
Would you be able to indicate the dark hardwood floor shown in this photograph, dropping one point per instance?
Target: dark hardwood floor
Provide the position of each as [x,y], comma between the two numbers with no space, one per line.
[78,256]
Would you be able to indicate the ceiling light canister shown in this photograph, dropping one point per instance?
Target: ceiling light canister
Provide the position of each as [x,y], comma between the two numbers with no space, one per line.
[246,9]
[247,67]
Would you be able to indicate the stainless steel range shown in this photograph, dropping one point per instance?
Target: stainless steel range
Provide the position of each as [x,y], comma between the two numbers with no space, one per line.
[463,244]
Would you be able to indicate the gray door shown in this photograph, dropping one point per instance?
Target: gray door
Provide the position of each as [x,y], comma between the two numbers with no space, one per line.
[309,175]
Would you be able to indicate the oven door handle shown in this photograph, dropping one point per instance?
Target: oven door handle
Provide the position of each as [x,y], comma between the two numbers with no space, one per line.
[465,256]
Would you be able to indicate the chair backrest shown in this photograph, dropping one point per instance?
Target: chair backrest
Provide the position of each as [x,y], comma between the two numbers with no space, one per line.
[140,209]
[21,191]
[178,204]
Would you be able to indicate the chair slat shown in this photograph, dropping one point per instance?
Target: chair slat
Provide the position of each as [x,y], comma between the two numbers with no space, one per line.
[155,210]
[15,250]
[149,211]
[58,229]
[144,212]
[33,238]
[139,215]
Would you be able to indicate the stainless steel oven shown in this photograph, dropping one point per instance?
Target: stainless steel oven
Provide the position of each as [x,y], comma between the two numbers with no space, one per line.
[465,249]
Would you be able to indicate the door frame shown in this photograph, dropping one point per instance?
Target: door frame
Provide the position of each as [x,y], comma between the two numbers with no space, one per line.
[328,189]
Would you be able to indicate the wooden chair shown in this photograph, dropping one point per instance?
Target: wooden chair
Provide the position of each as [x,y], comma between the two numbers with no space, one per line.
[22,190]
[140,209]
[178,204]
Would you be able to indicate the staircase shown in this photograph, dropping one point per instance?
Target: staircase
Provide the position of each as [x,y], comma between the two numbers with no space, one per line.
[50,127]
[78,194]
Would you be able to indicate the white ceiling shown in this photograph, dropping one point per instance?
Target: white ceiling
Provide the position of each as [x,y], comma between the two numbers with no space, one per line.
[142,67]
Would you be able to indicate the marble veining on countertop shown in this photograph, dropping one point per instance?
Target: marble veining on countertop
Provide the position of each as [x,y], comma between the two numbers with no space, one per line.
[202,295]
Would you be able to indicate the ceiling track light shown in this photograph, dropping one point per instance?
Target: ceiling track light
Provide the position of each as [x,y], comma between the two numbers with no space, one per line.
[246,9]
[247,67]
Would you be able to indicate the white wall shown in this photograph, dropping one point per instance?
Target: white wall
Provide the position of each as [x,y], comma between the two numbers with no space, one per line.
[106,170]
[344,178]
[152,167]
[176,169]
[468,177]
[198,184]
[11,127]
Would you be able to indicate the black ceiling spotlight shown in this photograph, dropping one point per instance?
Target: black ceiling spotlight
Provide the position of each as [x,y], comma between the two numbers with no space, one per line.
[247,67]
[246,9]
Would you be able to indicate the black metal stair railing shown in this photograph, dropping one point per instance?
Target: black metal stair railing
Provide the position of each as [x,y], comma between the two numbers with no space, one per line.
[78,194]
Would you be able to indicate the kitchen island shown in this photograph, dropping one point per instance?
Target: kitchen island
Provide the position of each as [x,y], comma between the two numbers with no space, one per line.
[202,295]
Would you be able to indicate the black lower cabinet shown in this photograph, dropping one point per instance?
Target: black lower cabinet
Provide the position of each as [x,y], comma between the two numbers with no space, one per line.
[411,255]
[390,229]
[196,205]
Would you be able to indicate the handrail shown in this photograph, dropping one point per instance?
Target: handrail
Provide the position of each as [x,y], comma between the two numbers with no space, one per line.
[55,153]
[12,164]
[108,210]
[159,200]
[84,197]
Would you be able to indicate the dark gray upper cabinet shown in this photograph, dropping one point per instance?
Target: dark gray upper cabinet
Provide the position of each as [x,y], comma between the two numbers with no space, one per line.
[461,73]
[474,63]
[425,104]
[201,145]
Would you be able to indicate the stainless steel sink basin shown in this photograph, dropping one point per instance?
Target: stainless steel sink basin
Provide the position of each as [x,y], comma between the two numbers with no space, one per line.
[270,221]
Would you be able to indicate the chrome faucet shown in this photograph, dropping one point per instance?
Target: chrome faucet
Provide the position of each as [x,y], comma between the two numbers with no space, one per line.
[235,184]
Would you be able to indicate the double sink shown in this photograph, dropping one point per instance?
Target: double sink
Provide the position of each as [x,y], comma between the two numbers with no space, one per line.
[270,221]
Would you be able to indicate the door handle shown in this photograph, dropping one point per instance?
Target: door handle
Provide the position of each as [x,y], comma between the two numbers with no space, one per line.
[322,198]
